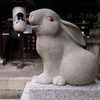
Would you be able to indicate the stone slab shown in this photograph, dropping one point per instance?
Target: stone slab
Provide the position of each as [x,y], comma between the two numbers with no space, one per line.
[36,91]
[17,83]
[9,99]
[10,94]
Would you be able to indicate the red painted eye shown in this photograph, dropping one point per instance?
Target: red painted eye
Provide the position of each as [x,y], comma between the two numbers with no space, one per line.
[51,18]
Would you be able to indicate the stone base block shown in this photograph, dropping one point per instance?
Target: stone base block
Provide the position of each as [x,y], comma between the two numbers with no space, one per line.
[36,91]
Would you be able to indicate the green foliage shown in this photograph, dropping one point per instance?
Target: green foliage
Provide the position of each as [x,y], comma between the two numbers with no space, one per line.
[98,77]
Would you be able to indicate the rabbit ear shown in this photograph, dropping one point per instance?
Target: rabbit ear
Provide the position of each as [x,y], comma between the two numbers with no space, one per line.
[73,31]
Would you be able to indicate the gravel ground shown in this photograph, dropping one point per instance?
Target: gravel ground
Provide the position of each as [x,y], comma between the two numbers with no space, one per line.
[33,67]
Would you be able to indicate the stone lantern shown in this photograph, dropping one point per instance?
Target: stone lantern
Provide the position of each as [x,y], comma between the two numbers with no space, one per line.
[19,17]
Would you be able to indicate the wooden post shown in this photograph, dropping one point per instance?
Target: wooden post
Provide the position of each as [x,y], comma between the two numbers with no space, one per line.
[21,65]
[1,46]
[22,45]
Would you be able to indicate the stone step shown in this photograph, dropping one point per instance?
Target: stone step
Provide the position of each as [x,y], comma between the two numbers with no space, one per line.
[8,94]
[9,99]
[12,88]
[17,83]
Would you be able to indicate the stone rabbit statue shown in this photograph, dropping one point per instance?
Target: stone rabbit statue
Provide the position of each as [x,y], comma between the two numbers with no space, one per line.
[59,43]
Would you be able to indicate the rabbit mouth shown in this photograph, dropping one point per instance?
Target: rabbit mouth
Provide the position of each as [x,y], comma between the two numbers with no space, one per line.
[34,26]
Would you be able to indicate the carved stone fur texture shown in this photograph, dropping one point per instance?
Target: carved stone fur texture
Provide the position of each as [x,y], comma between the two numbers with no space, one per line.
[59,43]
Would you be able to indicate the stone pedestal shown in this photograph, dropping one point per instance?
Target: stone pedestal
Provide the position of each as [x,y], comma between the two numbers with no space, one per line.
[36,91]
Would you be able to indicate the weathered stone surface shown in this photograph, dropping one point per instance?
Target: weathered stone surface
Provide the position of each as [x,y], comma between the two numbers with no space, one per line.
[13,83]
[94,32]
[95,49]
[93,39]
[36,91]
[10,94]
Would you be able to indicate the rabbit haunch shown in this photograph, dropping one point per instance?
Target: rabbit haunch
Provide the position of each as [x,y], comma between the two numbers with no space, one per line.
[59,45]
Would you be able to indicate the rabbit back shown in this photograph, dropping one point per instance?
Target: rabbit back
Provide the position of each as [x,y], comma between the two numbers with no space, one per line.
[79,68]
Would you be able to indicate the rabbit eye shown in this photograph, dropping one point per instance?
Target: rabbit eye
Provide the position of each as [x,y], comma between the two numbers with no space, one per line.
[51,18]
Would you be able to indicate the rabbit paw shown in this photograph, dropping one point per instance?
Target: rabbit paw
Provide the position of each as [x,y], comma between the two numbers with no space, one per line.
[44,79]
[58,80]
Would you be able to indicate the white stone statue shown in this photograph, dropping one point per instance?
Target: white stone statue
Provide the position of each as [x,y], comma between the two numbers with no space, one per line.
[59,43]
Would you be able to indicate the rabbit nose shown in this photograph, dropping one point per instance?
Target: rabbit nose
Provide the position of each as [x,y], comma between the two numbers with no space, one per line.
[30,17]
